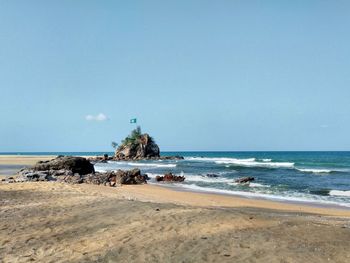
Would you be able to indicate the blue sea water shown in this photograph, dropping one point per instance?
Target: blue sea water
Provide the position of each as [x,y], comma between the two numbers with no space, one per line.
[315,177]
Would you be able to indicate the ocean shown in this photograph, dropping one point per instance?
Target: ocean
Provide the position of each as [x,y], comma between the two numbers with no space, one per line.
[321,178]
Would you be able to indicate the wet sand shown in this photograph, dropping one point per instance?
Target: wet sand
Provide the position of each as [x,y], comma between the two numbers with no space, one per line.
[56,222]
[10,164]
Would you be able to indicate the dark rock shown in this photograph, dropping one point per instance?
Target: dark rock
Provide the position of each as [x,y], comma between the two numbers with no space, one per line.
[78,165]
[169,177]
[73,179]
[130,177]
[32,176]
[212,175]
[100,159]
[244,180]
[114,178]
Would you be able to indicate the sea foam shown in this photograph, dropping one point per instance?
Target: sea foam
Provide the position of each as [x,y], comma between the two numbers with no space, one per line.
[247,162]
[316,171]
[156,165]
[339,193]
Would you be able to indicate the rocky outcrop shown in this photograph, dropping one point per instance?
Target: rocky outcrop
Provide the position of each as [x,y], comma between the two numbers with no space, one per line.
[244,180]
[169,177]
[143,147]
[138,146]
[63,168]
[77,170]
[78,165]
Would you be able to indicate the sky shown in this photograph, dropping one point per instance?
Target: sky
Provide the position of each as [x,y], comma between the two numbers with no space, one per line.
[198,75]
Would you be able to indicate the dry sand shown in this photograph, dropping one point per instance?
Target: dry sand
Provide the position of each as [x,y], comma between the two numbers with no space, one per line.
[55,222]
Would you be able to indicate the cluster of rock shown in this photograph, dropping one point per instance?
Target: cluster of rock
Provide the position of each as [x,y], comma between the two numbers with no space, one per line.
[169,177]
[119,177]
[77,170]
[100,159]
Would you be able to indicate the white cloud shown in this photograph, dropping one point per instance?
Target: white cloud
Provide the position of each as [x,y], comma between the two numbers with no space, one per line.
[98,117]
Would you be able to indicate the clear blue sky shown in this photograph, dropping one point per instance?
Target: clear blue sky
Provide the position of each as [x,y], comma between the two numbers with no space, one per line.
[198,75]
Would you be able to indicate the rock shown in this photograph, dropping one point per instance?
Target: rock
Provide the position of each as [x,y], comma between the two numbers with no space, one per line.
[78,165]
[31,175]
[143,147]
[244,180]
[100,159]
[73,179]
[130,177]
[138,146]
[63,168]
[212,175]
[119,177]
[96,178]
[169,177]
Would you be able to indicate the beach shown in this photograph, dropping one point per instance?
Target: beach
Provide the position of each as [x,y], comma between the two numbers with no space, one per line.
[57,222]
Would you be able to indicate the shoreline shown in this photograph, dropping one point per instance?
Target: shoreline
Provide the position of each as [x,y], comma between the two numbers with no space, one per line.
[176,191]
[274,199]
[156,193]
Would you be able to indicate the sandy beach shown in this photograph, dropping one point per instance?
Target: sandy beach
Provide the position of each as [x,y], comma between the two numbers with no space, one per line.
[57,222]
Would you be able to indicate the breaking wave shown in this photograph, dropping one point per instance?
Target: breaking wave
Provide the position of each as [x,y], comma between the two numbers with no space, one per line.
[248,162]
[339,193]
[316,171]
[170,165]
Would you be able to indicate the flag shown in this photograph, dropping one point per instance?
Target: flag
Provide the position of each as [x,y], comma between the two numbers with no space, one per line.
[133,120]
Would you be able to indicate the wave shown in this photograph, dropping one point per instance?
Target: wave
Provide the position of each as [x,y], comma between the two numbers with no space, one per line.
[266,160]
[289,197]
[339,193]
[258,185]
[316,171]
[248,162]
[213,159]
[197,178]
[200,178]
[205,179]
[152,165]
[250,185]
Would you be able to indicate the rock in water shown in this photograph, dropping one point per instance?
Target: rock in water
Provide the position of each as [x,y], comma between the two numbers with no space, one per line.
[143,147]
[244,180]
[169,177]
[77,165]
[137,146]
[212,175]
